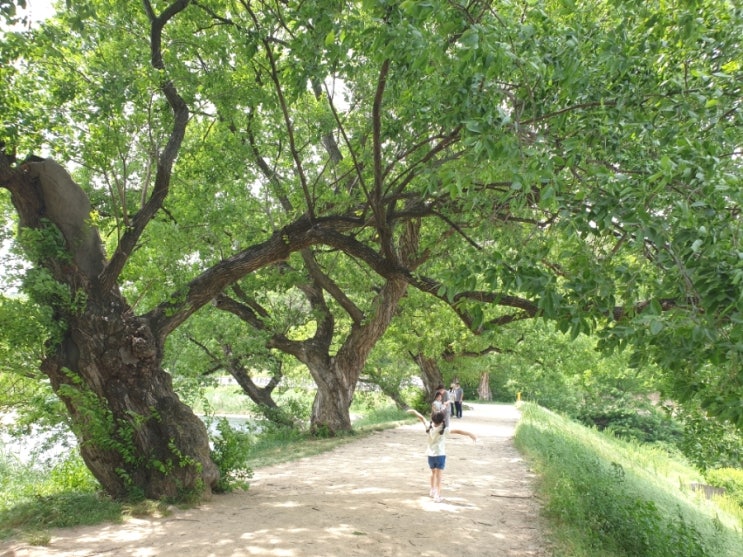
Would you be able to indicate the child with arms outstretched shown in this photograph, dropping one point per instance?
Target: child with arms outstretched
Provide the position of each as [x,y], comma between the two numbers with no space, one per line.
[436,450]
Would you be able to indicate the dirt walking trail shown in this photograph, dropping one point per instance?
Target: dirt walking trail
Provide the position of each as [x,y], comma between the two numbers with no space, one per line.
[365,498]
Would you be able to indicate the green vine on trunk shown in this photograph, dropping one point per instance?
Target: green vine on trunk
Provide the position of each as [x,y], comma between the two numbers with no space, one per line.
[103,430]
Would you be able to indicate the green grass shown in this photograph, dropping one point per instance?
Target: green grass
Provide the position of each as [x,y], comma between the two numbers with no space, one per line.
[36,499]
[284,445]
[604,496]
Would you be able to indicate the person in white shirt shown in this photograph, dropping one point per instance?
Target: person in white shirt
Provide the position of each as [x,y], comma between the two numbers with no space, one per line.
[446,401]
[437,432]
[438,404]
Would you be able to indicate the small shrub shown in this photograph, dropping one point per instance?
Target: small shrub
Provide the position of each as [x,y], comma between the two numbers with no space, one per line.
[421,402]
[631,418]
[322,431]
[297,401]
[71,474]
[368,400]
[729,479]
[230,453]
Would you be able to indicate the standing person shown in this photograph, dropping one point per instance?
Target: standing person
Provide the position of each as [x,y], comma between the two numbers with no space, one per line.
[452,397]
[458,399]
[438,404]
[436,449]
[446,401]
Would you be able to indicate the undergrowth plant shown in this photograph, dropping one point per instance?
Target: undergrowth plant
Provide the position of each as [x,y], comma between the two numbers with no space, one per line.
[729,479]
[230,452]
[36,499]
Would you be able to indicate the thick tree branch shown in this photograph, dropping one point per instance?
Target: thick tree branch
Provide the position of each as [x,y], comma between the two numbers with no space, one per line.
[329,285]
[292,238]
[128,241]
[243,311]
[381,223]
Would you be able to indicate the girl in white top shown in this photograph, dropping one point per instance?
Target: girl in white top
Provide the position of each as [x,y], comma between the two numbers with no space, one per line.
[436,450]
[438,404]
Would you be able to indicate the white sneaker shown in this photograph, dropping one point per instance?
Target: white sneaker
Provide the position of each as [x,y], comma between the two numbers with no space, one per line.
[438,499]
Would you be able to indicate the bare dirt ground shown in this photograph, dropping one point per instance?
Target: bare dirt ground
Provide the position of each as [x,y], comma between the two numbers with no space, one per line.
[368,497]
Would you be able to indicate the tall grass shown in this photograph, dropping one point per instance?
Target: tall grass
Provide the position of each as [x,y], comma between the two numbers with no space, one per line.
[608,497]
[35,498]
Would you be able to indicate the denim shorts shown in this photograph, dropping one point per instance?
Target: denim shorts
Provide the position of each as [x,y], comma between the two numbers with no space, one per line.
[437,462]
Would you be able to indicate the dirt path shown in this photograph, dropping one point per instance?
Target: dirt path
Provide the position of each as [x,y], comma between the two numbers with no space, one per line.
[365,498]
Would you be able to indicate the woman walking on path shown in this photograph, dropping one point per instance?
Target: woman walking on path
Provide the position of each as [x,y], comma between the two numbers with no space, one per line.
[436,450]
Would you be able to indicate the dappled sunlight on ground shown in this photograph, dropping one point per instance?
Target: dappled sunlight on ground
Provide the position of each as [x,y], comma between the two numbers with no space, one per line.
[365,498]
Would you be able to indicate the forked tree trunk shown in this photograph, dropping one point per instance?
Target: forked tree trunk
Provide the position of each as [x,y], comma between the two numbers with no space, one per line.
[336,377]
[134,433]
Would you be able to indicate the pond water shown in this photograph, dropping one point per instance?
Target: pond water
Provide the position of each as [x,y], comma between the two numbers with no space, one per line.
[42,447]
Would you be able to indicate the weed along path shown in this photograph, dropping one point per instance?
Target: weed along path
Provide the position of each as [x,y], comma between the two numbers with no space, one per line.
[368,497]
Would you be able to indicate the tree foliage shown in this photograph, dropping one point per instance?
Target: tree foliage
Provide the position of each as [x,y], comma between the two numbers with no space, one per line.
[576,162]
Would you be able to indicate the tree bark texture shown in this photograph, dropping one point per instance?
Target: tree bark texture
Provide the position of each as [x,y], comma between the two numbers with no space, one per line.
[430,374]
[483,389]
[336,377]
[134,433]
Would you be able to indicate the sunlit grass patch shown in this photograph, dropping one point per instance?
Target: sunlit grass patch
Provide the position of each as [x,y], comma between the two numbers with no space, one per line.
[36,499]
[610,497]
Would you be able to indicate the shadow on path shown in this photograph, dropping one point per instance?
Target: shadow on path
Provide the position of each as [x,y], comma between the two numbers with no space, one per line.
[364,498]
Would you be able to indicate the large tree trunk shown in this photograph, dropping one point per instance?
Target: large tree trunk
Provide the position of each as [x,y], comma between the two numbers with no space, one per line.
[331,406]
[134,434]
[430,373]
[336,377]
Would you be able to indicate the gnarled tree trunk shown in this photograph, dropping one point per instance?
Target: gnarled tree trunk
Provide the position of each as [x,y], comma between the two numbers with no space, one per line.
[332,403]
[134,433]
[336,380]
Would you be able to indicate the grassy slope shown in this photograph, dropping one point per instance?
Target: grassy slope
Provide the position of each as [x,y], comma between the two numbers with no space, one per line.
[608,497]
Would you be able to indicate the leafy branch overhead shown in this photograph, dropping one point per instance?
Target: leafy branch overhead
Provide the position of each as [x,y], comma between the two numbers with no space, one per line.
[578,163]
